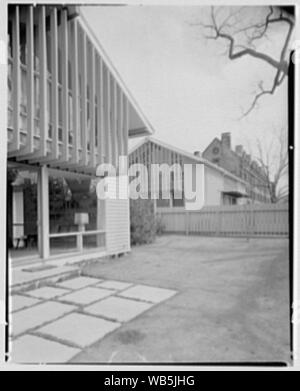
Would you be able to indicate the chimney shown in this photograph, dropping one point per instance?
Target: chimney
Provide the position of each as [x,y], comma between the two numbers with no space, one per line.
[226,139]
[197,153]
[239,149]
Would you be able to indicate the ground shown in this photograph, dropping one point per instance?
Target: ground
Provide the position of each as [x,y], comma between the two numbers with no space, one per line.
[223,300]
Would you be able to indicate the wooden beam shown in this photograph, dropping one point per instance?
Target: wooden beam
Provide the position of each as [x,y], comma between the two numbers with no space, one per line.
[16,80]
[30,80]
[99,93]
[114,120]
[83,98]
[43,81]
[54,87]
[120,122]
[92,107]
[65,87]
[74,65]
[107,102]
[126,125]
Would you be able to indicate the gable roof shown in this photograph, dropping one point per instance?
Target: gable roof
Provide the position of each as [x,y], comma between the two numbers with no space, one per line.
[211,143]
[196,159]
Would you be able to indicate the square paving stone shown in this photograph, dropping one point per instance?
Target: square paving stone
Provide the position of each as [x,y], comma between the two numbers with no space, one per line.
[118,308]
[114,285]
[79,282]
[18,302]
[47,292]
[86,296]
[81,330]
[29,318]
[33,349]
[147,293]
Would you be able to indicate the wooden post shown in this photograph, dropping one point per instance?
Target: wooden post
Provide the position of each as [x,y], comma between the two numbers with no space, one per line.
[65,93]
[100,119]
[76,130]
[187,223]
[92,106]
[84,98]
[16,80]
[100,220]
[43,82]
[54,73]
[126,125]
[30,80]
[43,212]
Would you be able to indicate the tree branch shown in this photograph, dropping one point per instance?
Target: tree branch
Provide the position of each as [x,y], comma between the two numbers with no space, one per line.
[258,31]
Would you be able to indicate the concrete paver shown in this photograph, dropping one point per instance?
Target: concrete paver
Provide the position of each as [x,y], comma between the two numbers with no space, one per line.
[148,293]
[18,302]
[47,292]
[79,329]
[114,285]
[29,318]
[86,296]
[79,282]
[33,349]
[118,308]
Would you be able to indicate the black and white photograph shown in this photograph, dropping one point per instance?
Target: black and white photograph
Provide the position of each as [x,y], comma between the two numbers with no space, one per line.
[149,186]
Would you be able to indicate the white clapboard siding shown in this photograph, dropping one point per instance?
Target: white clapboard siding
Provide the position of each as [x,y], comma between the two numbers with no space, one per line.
[117,224]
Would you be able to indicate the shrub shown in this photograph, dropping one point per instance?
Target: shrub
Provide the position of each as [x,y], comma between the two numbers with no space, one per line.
[159,225]
[142,221]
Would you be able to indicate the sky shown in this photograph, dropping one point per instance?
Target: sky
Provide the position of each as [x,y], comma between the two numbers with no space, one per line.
[186,86]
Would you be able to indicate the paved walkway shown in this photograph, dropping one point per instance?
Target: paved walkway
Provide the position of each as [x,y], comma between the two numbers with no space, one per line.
[53,323]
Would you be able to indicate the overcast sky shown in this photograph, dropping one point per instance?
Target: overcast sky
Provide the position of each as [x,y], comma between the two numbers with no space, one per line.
[188,89]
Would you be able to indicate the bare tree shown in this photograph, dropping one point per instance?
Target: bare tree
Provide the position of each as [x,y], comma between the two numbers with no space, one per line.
[273,159]
[241,35]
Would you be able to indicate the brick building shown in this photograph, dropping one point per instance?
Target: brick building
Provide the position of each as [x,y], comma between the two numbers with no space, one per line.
[239,163]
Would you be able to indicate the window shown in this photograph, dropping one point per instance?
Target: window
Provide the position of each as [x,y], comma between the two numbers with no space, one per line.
[215,150]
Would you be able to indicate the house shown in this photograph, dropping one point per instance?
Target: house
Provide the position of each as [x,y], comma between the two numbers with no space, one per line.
[68,112]
[239,163]
[218,186]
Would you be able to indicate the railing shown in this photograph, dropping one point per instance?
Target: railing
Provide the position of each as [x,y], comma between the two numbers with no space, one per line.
[236,220]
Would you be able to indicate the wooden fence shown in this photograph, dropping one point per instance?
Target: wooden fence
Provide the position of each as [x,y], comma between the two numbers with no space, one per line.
[236,220]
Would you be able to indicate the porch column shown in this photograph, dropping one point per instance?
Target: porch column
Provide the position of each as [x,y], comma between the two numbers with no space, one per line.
[18,216]
[100,221]
[43,212]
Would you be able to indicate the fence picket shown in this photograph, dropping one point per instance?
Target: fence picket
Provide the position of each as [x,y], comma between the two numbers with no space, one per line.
[236,220]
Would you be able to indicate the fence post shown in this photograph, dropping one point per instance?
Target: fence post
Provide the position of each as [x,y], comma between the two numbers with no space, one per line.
[219,221]
[187,222]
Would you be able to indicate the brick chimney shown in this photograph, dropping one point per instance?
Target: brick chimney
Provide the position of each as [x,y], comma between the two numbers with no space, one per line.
[197,153]
[239,149]
[226,139]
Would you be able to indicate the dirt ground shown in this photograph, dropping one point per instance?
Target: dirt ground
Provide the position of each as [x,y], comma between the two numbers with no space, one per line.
[232,303]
